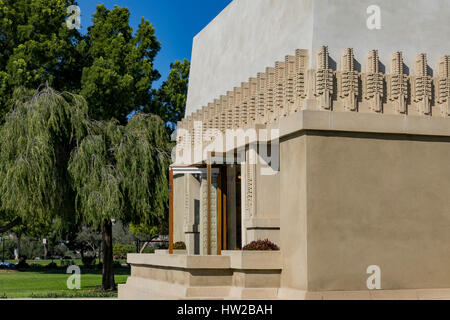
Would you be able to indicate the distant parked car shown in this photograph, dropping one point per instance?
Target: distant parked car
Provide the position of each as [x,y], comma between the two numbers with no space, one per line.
[6,265]
[37,258]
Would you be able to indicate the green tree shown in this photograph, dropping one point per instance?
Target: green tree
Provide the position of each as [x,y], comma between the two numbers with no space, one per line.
[111,66]
[35,47]
[169,101]
[118,71]
[35,144]
[120,172]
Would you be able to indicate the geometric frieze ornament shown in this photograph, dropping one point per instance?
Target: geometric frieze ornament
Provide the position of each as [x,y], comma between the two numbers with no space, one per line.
[301,68]
[279,88]
[398,83]
[261,97]
[373,82]
[290,85]
[245,103]
[323,80]
[443,84]
[223,113]
[251,110]
[230,101]
[187,202]
[348,81]
[237,107]
[270,94]
[217,112]
[250,183]
[208,221]
[422,85]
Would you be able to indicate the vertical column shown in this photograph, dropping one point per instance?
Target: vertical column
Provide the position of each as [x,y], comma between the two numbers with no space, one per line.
[208,204]
[231,208]
[223,183]
[191,225]
[170,211]
[219,214]
[208,214]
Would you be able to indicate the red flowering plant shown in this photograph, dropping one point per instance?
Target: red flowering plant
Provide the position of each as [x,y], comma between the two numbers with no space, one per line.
[261,245]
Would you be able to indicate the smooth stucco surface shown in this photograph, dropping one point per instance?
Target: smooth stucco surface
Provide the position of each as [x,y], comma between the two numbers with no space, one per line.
[376,200]
[247,37]
[250,35]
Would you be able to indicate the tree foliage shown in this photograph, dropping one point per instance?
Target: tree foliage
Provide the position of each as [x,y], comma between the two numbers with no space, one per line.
[111,66]
[35,144]
[169,101]
[120,172]
[35,47]
[118,71]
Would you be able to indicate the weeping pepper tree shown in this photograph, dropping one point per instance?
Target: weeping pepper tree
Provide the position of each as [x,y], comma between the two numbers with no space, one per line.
[120,173]
[35,145]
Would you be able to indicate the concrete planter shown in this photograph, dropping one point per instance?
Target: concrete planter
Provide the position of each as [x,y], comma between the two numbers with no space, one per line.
[254,260]
[176,252]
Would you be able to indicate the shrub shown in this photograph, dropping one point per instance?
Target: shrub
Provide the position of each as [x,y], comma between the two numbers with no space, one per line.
[149,250]
[179,246]
[88,261]
[22,264]
[51,266]
[261,245]
[120,251]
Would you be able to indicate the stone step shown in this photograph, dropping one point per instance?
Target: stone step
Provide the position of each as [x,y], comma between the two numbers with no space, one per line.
[212,292]
[254,293]
[205,298]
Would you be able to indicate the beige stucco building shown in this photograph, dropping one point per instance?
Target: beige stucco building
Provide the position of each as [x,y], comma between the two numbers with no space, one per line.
[323,126]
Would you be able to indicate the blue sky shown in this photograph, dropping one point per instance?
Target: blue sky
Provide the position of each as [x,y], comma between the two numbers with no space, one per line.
[176,23]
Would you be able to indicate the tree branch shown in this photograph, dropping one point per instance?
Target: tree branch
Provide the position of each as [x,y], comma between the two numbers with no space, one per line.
[11,225]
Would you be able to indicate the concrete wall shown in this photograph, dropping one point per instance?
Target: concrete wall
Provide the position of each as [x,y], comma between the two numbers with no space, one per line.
[250,35]
[293,214]
[246,37]
[266,222]
[411,26]
[178,208]
[372,199]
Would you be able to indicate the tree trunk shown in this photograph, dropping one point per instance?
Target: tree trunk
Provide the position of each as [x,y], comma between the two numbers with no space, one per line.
[19,237]
[108,282]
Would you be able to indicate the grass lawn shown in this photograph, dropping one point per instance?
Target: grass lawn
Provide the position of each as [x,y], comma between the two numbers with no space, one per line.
[42,283]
